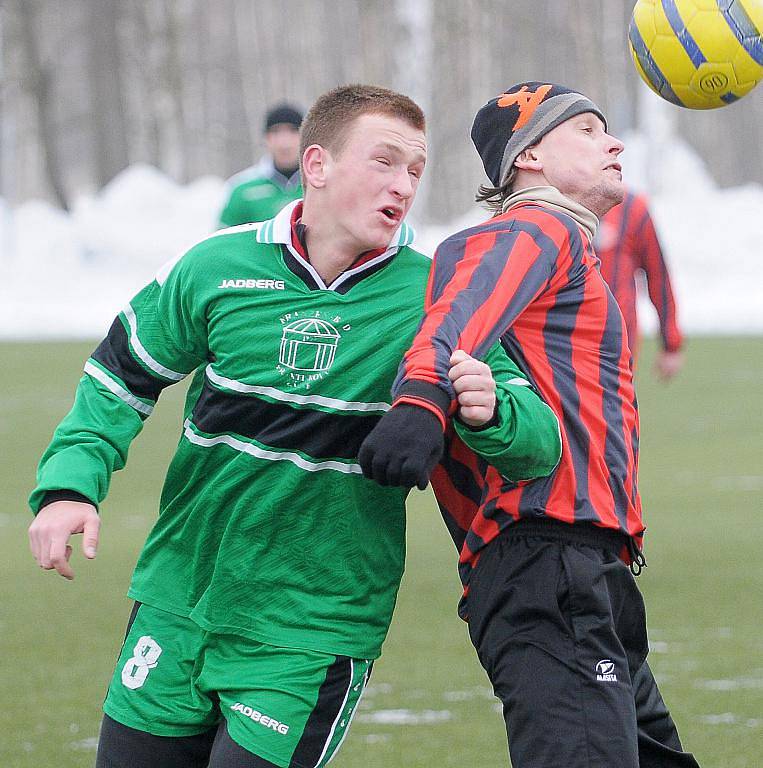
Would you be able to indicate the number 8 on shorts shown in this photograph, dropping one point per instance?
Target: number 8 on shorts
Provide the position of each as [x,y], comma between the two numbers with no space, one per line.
[145,656]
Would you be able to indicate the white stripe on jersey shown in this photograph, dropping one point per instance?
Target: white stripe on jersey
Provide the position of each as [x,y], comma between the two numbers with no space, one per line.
[263,453]
[289,397]
[141,352]
[120,392]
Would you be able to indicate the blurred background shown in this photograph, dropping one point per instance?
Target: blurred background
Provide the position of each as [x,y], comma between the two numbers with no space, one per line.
[120,121]
[90,87]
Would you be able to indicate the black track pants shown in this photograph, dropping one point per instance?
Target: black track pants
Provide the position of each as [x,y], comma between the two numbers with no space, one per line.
[560,628]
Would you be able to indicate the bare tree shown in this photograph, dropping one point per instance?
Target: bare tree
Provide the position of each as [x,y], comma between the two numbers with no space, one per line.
[160,23]
[142,119]
[37,82]
[107,102]
[5,133]
[184,84]
[461,82]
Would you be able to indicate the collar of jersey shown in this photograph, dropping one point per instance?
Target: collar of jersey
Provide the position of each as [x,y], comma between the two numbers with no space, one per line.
[278,230]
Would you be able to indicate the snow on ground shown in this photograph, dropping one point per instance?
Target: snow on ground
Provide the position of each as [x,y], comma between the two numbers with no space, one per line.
[67,275]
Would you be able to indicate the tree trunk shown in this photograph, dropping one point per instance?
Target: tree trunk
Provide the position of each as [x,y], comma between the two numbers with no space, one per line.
[38,84]
[107,103]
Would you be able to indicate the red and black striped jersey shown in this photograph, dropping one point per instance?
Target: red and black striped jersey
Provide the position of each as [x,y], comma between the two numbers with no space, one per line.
[627,244]
[530,277]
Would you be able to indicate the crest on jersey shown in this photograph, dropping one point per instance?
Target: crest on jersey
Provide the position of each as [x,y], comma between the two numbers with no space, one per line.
[309,343]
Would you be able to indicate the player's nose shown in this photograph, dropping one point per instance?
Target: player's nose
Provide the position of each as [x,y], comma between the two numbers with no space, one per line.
[402,185]
[614,145]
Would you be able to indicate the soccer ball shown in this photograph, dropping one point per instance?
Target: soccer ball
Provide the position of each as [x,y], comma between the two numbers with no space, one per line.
[699,54]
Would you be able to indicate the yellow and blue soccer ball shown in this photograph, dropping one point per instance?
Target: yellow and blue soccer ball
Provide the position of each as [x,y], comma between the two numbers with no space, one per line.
[699,54]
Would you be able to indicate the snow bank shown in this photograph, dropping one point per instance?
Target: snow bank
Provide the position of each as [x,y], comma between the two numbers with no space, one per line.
[66,276]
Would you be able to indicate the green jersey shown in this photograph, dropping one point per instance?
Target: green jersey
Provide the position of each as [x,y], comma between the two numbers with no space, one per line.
[259,193]
[267,527]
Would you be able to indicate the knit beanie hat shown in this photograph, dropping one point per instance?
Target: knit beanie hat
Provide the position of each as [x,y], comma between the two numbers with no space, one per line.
[283,113]
[519,118]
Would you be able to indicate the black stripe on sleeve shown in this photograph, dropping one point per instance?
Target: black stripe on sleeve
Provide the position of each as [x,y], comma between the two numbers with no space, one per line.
[114,354]
[318,434]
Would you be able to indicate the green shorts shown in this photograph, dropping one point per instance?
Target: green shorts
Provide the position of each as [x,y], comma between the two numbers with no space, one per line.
[289,706]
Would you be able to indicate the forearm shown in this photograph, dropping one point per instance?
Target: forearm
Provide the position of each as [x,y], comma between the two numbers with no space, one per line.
[524,441]
[651,259]
[89,445]
[661,296]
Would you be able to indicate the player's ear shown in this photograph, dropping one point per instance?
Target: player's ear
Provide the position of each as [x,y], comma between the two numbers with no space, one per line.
[529,159]
[315,161]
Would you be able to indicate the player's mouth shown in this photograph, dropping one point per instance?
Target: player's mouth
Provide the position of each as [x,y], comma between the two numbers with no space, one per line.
[392,213]
[614,166]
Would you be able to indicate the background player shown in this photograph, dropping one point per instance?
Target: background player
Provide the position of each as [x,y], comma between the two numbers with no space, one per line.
[260,192]
[628,246]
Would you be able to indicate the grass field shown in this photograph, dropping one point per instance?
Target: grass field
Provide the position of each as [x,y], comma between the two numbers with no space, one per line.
[429,704]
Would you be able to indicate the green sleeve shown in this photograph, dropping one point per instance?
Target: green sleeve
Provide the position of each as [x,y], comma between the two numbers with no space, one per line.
[88,445]
[525,442]
[156,341]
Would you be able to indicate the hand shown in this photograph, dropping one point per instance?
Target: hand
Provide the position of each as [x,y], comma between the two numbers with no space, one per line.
[475,388]
[403,448]
[668,364]
[50,531]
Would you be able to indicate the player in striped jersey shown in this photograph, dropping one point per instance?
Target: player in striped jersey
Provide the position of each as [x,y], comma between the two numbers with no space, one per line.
[553,609]
[627,244]
[265,589]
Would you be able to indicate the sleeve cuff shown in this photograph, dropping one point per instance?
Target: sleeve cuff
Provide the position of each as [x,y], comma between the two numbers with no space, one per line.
[494,421]
[63,495]
[428,396]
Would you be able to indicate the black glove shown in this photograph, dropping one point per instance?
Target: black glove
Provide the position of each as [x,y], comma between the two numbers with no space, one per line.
[403,448]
